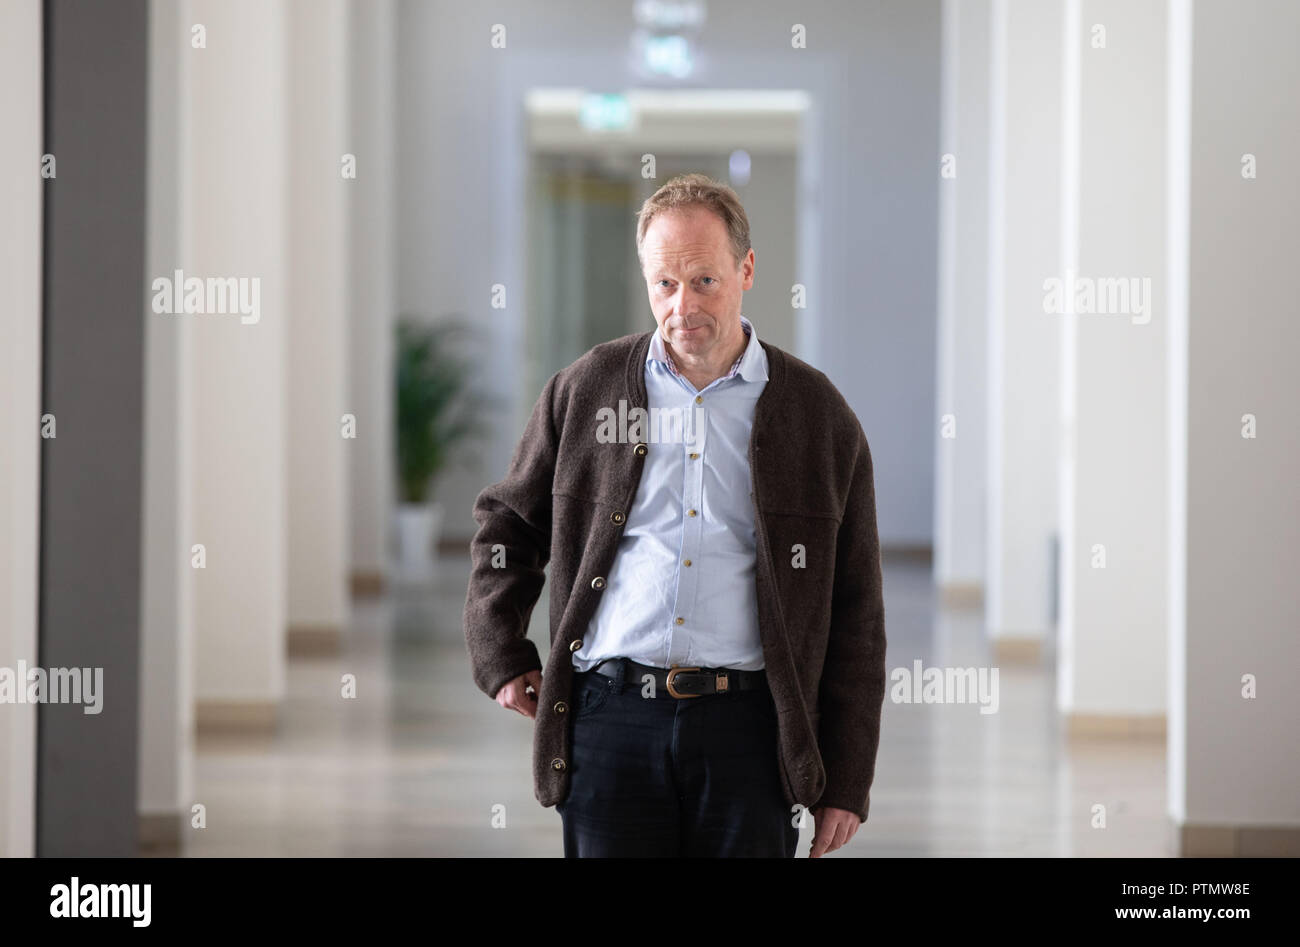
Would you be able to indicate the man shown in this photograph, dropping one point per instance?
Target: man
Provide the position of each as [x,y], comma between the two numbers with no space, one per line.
[717,653]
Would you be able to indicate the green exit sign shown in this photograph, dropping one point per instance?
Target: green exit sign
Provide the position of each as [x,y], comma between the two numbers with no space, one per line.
[605,112]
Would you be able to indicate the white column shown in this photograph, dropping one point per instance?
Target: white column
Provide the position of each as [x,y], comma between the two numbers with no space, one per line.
[1024,342]
[373,284]
[238,185]
[1234,496]
[1111,660]
[315,361]
[166,757]
[20,396]
[961,398]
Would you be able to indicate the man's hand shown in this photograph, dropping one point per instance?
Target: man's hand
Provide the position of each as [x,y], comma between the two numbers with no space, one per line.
[834,828]
[516,696]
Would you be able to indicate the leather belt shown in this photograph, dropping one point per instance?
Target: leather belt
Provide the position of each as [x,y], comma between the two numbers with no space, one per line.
[683,682]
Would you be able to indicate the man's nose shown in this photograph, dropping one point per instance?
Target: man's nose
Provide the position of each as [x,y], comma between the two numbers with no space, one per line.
[682,301]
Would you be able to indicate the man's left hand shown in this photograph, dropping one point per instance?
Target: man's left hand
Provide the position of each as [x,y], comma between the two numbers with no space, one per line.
[834,827]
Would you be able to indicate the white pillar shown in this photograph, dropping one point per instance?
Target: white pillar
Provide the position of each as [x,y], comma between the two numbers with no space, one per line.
[1111,660]
[1024,342]
[20,395]
[961,398]
[166,760]
[238,183]
[373,284]
[1234,497]
[315,362]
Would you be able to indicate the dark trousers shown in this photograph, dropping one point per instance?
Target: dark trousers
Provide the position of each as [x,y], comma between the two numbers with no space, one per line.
[674,777]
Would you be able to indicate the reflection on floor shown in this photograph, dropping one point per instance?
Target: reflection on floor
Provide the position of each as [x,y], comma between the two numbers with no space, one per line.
[421,763]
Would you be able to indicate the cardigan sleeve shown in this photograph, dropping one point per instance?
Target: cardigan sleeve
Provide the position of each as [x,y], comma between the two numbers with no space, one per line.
[509,553]
[852,688]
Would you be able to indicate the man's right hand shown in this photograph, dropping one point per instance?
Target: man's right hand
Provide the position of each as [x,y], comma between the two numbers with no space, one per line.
[514,695]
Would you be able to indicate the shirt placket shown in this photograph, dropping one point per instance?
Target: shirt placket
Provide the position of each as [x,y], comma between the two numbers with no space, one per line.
[682,630]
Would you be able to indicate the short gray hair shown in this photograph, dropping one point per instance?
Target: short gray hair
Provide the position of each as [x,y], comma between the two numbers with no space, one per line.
[697,190]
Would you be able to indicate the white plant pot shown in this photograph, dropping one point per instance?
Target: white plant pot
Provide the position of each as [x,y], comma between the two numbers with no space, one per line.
[418,528]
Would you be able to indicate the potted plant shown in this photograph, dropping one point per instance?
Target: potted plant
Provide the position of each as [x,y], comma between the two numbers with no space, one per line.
[436,413]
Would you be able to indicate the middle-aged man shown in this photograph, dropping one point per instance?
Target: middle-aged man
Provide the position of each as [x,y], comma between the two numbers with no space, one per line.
[717,654]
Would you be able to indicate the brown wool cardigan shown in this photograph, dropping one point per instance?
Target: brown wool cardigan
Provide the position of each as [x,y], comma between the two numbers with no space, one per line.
[565,498]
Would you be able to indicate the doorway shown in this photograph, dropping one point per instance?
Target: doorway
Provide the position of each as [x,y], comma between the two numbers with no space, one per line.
[594,159]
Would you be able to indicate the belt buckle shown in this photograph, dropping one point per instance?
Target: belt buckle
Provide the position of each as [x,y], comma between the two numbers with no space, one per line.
[672,674]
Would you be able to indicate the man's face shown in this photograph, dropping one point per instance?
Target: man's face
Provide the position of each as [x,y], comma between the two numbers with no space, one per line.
[693,281]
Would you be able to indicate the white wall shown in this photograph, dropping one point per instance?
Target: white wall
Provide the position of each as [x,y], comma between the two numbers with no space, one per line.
[1112,641]
[20,388]
[1235,501]
[373,278]
[961,464]
[239,187]
[1024,342]
[869,188]
[166,596]
[315,363]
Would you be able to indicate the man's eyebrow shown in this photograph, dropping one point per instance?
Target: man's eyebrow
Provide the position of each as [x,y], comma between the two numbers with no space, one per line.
[698,269]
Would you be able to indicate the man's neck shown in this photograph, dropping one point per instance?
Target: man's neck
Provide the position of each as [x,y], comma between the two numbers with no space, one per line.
[701,376]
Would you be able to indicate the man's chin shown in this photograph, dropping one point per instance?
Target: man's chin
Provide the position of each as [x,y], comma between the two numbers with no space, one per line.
[691,341]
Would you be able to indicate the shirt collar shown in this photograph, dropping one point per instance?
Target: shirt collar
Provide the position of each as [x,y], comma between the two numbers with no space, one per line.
[751,365]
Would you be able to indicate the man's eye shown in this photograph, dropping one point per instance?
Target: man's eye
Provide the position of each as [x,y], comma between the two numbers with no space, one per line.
[707,279]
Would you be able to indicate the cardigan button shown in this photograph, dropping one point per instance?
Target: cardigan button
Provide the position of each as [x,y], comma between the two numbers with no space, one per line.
[557,764]
[561,707]
[575,645]
[639,450]
[598,582]
[617,517]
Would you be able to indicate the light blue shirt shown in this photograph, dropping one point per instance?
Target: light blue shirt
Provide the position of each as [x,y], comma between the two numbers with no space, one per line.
[681,590]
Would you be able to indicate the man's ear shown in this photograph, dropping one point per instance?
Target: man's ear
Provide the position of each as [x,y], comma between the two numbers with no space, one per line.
[747,270]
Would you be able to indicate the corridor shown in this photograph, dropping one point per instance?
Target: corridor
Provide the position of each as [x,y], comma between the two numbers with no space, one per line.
[416,763]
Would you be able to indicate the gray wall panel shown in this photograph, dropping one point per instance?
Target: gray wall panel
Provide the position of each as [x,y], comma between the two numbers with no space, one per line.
[93,379]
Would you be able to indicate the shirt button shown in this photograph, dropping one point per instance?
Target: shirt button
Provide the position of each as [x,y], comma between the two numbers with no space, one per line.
[617,517]
[561,706]
[681,621]
[699,399]
[639,450]
[598,582]
[690,512]
[575,645]
[687,562]
[695,456]
[557,764]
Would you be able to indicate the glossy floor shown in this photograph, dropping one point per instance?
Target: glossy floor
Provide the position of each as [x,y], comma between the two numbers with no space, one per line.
[421,763]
